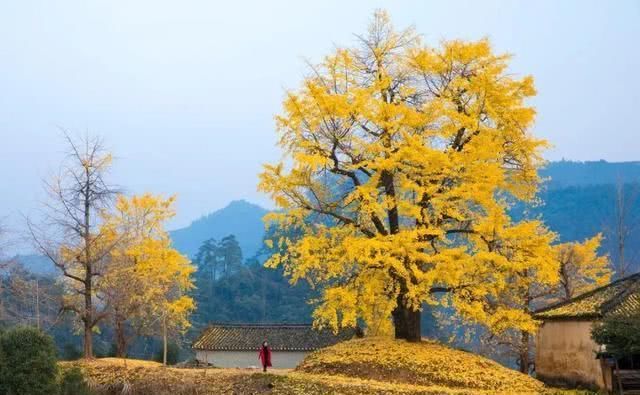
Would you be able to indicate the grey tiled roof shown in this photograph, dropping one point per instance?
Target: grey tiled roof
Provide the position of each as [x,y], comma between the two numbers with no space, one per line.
[281,337]
[621,297]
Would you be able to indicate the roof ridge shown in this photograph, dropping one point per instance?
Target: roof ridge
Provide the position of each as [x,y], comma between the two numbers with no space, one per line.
[621,297]
[259,324]
[281,337]
[589,293]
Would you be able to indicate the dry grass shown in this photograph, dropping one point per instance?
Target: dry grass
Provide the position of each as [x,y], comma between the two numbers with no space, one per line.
[130,376]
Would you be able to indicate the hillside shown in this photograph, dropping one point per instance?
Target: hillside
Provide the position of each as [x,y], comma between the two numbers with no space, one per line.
[578,202]
[579,212]
[427,363]
[565,173]
[36,264]
[362,366]
[239,218]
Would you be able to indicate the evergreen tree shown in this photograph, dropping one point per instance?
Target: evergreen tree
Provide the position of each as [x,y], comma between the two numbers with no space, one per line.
[229,254]
[206,259]
[28,362]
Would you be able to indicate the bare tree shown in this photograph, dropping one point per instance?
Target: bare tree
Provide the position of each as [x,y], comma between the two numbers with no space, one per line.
[626,222]
[74,240]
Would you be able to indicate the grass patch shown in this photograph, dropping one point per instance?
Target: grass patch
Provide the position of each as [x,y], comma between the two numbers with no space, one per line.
[118,376]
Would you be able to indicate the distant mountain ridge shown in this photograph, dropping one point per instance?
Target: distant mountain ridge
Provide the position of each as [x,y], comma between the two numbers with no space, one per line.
[239,218]
[244,219]
[584,189]
[37,264]
[566,173]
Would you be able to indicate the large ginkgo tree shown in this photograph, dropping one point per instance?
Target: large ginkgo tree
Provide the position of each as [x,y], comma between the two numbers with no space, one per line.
[401,160]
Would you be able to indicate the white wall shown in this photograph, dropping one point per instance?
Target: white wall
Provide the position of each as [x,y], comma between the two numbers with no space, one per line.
[245,359]
[565,353]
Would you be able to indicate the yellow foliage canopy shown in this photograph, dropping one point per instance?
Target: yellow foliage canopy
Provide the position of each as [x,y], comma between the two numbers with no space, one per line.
[146,278]
[581,268]
[400,162]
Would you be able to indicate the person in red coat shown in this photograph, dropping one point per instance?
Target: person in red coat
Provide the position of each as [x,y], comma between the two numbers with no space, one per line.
[264,355]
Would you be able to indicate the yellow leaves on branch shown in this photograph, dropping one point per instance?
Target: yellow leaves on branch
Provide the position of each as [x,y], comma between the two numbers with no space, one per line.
[551,273]
[146,278]
[401,162]
[581,268]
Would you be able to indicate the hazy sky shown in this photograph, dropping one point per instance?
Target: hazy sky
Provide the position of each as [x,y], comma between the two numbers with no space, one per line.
[184,92]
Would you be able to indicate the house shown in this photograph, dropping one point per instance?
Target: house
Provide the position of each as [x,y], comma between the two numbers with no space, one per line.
[566,354]
[236,345]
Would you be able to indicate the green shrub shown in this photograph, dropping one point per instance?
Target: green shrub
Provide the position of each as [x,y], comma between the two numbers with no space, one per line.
[29,362]
[3,367]
[73,382]
[619,333]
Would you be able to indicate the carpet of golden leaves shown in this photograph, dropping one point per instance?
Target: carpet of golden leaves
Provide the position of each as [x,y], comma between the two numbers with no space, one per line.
[425,367]
[363,366]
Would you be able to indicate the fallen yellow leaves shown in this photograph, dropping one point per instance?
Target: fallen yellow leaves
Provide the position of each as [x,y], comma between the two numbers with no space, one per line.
[424,364]
[364,366]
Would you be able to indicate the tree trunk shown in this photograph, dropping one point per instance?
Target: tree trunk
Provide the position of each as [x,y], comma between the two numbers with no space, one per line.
[88,316]
[164,341]
[524,352]
[121,337]
[88,339]
[88,275]
[406,322]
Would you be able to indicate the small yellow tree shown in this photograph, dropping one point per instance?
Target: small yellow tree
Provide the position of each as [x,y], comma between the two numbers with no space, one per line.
[167,304]
[146,280]
[581,268]
[555,273]
[400,159]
